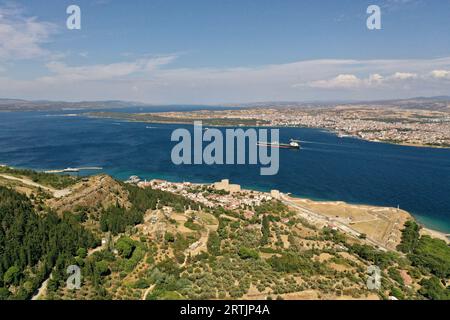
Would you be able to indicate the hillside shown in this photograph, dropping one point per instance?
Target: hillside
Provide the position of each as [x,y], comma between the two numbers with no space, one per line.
[27,105]
[92,194]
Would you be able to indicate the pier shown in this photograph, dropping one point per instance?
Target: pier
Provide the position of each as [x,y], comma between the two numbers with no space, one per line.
[73,170]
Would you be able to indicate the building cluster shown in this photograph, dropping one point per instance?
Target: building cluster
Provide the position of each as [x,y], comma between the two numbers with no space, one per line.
[386,124]
[224,194]
[423,128]
[434,132]
[225,185]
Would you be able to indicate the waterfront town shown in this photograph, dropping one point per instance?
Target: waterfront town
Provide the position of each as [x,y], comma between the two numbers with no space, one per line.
[229,196]
[354,220]
[419,127]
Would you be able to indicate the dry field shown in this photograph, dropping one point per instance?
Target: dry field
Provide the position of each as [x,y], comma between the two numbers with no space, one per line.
[381,224]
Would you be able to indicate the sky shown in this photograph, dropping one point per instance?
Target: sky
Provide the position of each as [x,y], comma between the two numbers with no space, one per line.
[224,51]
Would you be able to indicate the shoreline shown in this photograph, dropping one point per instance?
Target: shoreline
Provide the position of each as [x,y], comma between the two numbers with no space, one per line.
[435,234]
[425,229]
[424,226]
[184,121]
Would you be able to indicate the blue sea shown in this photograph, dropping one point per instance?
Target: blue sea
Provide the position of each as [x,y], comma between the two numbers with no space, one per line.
[327,167]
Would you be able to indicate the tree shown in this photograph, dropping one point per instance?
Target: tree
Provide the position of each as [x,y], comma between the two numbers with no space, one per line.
[265,229]
[396,292]
[214,244]
[4,293]
[11,276]
[31,240]
[433,289]
[432,254]
[117,219]
[125,247]
[102,267]
[410,237]
[169,237]
[247,253]
[82,253]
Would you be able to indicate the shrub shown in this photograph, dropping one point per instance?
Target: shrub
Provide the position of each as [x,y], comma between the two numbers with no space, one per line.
[247,253]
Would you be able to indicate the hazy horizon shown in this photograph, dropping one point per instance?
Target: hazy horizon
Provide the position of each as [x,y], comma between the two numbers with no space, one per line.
[349,101]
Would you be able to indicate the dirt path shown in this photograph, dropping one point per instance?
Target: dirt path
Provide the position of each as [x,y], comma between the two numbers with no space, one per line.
[147,292]
[56,193]
[307,213]
[43,288]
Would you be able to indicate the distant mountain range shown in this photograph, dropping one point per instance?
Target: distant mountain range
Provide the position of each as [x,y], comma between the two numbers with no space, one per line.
[46,105]
[426,103]
[422,103]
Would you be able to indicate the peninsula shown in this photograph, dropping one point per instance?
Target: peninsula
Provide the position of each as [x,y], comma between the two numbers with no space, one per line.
[408,122]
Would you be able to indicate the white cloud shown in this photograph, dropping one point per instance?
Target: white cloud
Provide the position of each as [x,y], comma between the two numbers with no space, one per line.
[376,79]
[341,81]
[62,72]
[155,80]
[351,81]
[394,5]
[441,74]
[404,76]
[152,64]
[22,37]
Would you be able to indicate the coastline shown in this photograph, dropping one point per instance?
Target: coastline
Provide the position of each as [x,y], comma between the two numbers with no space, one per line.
[405,215]
[325,205]
[185,121]
[426,229]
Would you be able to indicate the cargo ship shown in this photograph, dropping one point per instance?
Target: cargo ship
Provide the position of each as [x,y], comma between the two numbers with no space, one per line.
[293,144]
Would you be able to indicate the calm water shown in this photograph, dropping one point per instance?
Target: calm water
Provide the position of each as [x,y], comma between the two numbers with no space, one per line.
[327,168]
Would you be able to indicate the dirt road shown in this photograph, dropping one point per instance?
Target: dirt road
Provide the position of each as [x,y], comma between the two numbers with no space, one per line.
[310,215]
[56,193]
